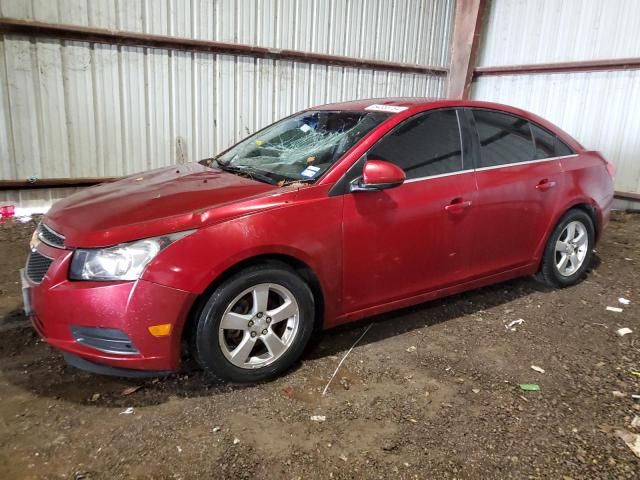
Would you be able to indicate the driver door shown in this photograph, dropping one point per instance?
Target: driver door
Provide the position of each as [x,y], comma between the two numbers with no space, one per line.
[414,238]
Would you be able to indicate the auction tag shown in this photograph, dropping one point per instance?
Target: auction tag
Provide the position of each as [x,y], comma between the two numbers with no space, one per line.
[386,108]
[310,171]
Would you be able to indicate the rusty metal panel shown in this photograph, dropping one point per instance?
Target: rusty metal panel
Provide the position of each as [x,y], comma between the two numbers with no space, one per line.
[599,109]
[75,109]
[521,32]
[411,31]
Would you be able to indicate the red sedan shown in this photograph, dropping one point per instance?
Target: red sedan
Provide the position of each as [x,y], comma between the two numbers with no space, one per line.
[330,215]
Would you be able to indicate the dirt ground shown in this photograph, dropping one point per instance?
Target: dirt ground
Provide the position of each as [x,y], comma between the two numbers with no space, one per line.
[430,392]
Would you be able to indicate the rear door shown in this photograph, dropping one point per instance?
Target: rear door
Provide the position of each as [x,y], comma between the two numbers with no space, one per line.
[519,182]
[414,238]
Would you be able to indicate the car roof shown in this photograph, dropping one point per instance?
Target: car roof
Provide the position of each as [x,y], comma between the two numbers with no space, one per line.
[416,104]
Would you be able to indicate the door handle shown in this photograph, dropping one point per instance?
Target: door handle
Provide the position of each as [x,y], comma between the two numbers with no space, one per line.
[544,185]
[457,205]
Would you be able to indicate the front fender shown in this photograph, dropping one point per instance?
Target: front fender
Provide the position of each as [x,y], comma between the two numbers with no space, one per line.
[307,230]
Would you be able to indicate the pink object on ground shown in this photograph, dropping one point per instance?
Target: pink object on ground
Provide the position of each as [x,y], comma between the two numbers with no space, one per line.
[7,211]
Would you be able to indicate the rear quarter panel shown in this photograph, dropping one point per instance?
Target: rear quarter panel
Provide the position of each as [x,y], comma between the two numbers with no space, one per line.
[587,181]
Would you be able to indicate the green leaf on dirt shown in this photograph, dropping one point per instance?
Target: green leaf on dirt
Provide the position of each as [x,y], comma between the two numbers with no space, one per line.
[530,387]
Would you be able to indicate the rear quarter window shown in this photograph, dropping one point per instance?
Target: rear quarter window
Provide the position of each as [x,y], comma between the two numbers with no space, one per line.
[545,142]
[548,145]
[562,148]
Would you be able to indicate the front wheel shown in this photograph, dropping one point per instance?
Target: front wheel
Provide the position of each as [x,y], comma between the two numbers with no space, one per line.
[255,325]
[569,250]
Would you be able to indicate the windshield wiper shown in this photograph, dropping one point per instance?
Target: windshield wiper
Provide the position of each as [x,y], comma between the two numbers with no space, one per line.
[245,170]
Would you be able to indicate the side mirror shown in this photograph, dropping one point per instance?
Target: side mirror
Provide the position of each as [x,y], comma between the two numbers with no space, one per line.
[378,175]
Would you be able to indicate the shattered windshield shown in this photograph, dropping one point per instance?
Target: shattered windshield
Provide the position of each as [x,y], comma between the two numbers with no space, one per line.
[301,147]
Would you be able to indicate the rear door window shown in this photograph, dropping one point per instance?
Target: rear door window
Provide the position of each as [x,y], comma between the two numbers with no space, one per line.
[423,146]
[504,139]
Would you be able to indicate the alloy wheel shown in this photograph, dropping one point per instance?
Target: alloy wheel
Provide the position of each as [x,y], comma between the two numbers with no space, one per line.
[571,248]
[259,325]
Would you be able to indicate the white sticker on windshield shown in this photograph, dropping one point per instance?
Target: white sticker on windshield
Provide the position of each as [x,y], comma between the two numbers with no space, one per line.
[305,128]
[386,108]
[310,171]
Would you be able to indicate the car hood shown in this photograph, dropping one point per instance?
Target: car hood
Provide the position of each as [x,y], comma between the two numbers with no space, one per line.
[154,203]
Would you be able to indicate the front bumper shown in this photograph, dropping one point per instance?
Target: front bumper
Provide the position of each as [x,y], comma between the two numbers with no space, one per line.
[58,306]
[100,369]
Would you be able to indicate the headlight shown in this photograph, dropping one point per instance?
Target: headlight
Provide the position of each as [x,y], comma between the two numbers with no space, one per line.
[122,262]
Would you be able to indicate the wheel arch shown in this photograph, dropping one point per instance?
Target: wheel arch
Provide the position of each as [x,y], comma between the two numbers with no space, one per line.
[593,214]
[300,267]
[582,205]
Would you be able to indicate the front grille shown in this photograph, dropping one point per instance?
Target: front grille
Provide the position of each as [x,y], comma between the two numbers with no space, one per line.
[37,266]
[109,340]
[50,237]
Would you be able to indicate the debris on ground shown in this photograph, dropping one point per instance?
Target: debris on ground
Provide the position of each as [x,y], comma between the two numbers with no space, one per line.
[318,418]
[623,331]
[614,309]
[475,390]
[95,397]
[127,411]
[512,325]
[411,349]
[635,423]
[624,301]
[389,446]
[530,387]
[288,391]
[618,394]
[216,429]
[236,441]
[130,390]
[537,369]
[344,358]
[631,439]
[7,211]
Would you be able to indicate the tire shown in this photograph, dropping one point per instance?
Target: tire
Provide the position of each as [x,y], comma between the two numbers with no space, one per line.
[552,273]
[241,302]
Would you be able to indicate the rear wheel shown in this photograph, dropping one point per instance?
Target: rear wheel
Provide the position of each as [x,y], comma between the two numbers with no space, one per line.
[255,325]
[569,250]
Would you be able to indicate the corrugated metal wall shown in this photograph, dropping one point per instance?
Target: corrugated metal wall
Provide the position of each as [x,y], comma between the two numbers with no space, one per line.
[600,109]
[72,109]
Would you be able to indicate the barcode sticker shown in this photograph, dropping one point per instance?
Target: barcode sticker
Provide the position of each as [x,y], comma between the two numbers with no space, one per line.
[386,108]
